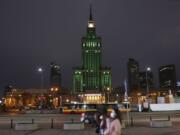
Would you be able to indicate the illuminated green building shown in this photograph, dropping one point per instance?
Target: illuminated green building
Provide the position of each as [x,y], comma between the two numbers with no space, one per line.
[91,77]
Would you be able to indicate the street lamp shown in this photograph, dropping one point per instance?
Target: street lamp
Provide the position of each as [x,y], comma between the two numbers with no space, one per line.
[148,69]
[108,90]
[40,70]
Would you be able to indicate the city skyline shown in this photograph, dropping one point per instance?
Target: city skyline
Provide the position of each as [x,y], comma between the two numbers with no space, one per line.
[34,34]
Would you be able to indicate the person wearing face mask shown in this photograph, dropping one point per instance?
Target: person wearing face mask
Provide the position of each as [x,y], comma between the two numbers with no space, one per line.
[115,125]
[104,123]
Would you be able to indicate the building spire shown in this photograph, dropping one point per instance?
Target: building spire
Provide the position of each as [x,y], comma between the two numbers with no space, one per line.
[90,12]
[91,23]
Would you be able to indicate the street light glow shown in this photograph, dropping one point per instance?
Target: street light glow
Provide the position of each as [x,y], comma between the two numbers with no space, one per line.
[40,69]
[41,72]
[148,69]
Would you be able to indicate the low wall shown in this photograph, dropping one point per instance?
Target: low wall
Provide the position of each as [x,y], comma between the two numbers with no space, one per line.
[160,123]
[26,126]
[73,125]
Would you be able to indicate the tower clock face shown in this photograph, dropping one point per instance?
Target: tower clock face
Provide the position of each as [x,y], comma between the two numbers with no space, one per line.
[91,25]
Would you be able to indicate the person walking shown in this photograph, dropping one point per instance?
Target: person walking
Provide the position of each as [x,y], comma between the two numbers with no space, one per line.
[104,123]
[115,125]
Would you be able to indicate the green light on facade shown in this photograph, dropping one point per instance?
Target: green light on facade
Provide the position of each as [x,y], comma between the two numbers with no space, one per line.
[91,75]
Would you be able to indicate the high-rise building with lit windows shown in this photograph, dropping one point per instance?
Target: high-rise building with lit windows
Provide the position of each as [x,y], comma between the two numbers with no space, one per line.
[167,76]
[91,76]
[55,77]
[146,79]
[133,74]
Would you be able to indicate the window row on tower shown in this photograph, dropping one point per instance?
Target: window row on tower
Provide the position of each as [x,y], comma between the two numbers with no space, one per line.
[96,51]
[91,44]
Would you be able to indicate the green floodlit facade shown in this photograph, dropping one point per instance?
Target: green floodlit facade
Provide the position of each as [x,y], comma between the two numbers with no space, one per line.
[91,77]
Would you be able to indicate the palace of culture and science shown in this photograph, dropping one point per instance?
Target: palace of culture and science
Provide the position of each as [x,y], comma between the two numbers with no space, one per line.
[91,77]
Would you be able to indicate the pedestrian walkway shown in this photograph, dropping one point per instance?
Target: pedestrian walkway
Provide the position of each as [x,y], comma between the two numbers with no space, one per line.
[136,130]
[151,131]
[49,132]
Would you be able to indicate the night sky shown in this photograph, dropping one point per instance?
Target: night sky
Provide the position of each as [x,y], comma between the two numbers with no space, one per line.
[34,33]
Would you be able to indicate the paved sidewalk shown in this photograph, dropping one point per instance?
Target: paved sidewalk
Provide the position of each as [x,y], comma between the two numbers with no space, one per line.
[137,130]
[151,131]
[140,128]
[49,132]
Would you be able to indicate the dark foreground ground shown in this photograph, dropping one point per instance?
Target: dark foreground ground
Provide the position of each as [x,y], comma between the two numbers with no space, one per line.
[136,130]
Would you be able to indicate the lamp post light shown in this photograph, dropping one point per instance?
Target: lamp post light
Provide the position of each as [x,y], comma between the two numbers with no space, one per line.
[40,70]
[108,90]
[148,69]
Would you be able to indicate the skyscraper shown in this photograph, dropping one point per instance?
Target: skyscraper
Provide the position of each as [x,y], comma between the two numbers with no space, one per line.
[91,76]
[146,78]
[167,76]
[133,74]
[55,77]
